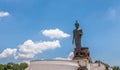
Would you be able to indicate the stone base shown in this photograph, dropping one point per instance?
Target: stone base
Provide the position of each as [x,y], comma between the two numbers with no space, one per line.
[53,65]
[81,54]
[65,65]
[82,68]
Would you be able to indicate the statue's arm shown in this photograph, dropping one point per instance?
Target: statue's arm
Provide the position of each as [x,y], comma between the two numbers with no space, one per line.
[80,32]
[73,37]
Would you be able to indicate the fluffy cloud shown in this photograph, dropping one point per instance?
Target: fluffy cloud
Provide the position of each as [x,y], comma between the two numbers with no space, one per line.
[113,13]
[8,53]
[55,33]
[29,49]
[70,56]
[4,14]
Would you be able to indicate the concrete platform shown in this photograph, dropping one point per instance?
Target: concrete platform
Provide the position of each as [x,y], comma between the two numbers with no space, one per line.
[63,65]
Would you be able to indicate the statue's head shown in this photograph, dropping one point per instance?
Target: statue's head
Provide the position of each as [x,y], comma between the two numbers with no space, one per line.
[77,24]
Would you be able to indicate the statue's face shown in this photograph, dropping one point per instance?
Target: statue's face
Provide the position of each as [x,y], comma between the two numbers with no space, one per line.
[77,25]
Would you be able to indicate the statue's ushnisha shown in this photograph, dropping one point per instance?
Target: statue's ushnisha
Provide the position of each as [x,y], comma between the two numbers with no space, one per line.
[77,34]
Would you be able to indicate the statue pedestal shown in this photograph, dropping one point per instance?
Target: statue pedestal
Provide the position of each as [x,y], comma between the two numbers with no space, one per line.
[81,54]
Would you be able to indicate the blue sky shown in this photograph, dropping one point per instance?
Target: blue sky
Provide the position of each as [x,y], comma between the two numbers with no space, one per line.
[23,24]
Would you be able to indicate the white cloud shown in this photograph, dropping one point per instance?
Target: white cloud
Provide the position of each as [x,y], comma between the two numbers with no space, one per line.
[29,49]
[8,53]
[55,33]
[25,61]
[70,56]
[113,13]
[4,14]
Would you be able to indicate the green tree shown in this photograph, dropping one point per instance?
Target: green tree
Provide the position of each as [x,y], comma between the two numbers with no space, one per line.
[116,68]
[10,65]
[5,67]
[16,67]
[23,66]
[13,66]
[1,67]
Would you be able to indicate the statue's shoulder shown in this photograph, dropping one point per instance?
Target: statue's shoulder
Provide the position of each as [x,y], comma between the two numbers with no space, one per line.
[79,28]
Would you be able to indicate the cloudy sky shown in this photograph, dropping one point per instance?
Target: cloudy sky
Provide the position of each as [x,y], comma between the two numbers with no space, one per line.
[42,29]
